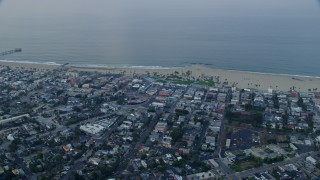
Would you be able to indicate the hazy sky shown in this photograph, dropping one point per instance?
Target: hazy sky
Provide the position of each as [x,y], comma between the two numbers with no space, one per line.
[151,8]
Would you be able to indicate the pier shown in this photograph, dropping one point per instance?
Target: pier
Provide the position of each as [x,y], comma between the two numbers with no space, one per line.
[63,66]
[16,50]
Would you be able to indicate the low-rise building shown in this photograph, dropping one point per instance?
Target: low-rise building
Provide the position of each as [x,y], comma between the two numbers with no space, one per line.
[92,128]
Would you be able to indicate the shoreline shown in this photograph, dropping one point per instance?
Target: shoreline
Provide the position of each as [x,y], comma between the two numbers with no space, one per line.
[102,66]
[240,79]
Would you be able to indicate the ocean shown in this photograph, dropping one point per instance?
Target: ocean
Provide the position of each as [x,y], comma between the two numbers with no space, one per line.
[249,35]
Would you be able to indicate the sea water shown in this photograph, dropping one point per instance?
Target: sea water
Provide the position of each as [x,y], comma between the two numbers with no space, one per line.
[251,35]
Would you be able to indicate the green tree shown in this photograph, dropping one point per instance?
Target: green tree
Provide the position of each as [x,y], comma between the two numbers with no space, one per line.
[176,134]
[39,155]
[13,147]
[301,104]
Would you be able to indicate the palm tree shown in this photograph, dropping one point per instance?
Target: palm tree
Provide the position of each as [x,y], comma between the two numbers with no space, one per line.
[155,74]
[188,73]
[148,73]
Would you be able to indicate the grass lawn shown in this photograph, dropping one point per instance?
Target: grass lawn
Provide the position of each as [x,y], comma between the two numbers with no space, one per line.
[189,82]
[161,81]
[246,165]
[185,82]
[205,83]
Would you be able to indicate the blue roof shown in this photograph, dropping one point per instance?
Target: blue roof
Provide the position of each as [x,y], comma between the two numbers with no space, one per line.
[83,140]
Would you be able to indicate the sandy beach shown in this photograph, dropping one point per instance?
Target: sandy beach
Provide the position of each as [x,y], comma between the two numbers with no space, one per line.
[240,79]
[29,65]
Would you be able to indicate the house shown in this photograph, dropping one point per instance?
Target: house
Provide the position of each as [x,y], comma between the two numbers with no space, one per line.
[94,161]
[1,170]
[228,142]
[222,97]
[161,127]
[293,147]
[15,172]
[18,172]
[89,143]
[67,148]
[211,140]
[144,164]
[166,141]
[10,137]
[230,156]
[213,163]
[181,119]
[215,125]
[102,153]
[86,86]
[235,98]
[189,138]
[184,151]
[158,104]
[311,160]
[143,149]
[165,92]
[126,125]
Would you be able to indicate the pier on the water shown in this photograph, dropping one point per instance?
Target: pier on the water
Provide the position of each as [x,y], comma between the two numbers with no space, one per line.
[16,50]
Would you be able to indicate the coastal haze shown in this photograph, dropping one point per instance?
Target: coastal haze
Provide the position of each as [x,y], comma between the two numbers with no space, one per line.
[251,35]
[150,89]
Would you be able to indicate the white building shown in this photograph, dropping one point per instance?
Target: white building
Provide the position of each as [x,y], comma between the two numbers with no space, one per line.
[311,160]
[10,137]
[92,128]
[228,143]
[157,104]
[213,163]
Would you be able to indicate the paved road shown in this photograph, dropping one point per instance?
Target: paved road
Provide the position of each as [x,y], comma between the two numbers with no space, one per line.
[217,153]
[225,169]
[204,128]
[78,164]
[249,172]
[134,148]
